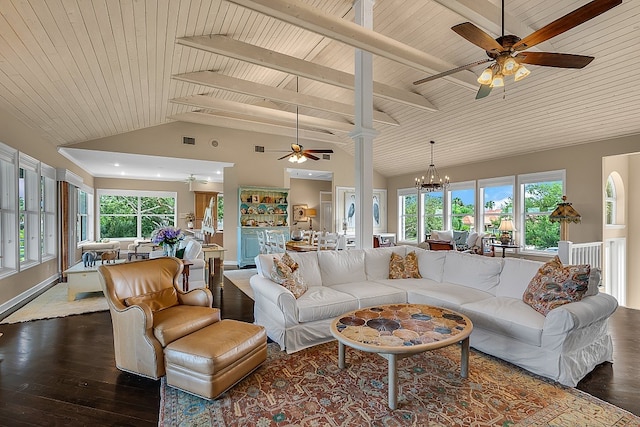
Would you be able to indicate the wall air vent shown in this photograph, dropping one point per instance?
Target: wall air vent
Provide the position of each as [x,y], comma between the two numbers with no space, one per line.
[326,157]
[188,140]
[259,149]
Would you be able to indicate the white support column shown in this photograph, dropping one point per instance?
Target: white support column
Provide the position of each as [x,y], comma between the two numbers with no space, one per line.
[364,133]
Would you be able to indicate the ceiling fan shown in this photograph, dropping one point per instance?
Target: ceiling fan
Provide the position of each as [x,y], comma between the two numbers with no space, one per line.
[507,51]
[192,178]
[300,155]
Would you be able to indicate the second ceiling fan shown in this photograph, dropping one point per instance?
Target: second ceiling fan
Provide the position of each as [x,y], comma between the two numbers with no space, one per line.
[507,50]
[299,154]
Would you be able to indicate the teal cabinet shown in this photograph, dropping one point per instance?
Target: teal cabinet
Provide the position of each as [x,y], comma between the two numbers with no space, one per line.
[260,209]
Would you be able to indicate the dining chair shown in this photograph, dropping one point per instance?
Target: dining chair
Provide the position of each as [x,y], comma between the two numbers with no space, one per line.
[328,241]
[262,242]
[276,241]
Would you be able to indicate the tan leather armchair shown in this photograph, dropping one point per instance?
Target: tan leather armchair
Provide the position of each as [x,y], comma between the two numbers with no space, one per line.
[149,311]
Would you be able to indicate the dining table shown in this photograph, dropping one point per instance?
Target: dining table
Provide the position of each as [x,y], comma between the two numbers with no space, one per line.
[301,246]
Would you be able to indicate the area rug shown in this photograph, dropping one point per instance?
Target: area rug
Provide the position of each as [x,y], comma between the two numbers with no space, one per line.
[308,389]
[240,278]
[54,303]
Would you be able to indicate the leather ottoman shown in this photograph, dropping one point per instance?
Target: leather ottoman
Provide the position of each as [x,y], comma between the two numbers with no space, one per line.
[210,361]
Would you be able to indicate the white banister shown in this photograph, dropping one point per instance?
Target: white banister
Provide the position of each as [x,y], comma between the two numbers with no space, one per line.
[580,253]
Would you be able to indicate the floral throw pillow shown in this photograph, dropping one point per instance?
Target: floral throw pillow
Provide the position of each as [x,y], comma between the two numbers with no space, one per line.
[404,267]
[286,258]
[555,285]
[291,280]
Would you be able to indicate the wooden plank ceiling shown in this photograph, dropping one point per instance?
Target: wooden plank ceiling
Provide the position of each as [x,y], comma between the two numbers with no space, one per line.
[78,70]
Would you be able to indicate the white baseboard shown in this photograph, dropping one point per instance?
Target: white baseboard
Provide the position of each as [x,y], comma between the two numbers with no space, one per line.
[27,295]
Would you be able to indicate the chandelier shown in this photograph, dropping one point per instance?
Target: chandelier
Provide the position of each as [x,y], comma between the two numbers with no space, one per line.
[431,181]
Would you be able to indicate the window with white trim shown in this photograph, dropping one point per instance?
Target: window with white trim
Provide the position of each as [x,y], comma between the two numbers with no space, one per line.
[496,201]
[48,212]
[461,206]
[408,215]
[8,211]
[127,214]
[28,211]
[432,211]
[84,219]
[610,201]
[540,194]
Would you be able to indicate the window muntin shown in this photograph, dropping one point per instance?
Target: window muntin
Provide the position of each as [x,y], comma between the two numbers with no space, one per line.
[135,213]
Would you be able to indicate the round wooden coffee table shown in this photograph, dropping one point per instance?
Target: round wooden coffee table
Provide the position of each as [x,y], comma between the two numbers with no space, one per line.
[396,331]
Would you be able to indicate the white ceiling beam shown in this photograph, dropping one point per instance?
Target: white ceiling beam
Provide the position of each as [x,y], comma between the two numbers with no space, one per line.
[226,46]
[303,16]
[487,16]
[220,81]
[208,102]
[255,125]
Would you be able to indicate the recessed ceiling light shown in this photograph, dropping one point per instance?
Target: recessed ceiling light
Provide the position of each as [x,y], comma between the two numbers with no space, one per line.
[116,164]
[218,172]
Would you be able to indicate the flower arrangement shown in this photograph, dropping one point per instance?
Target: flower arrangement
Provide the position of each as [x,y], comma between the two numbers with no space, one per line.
[167,236]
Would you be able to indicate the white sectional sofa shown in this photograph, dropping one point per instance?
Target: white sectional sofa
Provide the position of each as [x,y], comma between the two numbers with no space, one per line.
[564,346]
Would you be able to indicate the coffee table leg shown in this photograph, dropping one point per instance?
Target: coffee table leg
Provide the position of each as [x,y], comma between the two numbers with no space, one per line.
[464,359]
[393,381]
[341,363]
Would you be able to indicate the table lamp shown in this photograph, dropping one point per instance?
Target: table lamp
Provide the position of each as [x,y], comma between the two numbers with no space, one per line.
[564,214]
[506,226]
[311,213]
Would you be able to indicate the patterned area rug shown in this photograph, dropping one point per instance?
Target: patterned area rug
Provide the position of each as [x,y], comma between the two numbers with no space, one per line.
[54,303]
[308,389]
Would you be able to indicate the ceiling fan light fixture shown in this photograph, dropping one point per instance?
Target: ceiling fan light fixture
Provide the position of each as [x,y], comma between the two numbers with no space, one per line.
[498,80]
[521,73]
[486,76]
[509,66]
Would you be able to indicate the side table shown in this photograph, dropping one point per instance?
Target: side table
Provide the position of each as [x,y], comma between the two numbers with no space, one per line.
[504,247]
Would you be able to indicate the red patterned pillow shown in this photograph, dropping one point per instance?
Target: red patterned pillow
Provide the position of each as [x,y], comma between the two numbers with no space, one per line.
[555,285]
[404,268]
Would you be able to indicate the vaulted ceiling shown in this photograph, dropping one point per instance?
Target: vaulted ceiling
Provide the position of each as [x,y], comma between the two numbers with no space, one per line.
[78,70]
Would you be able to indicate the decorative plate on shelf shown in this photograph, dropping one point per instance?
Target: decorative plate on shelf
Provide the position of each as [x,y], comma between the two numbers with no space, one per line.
[262,209]
[243,208]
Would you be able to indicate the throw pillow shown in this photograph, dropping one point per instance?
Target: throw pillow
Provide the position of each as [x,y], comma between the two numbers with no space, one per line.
[156,301]
[555,285]
[180,253]
[286,258]
[404,267]
[291,280]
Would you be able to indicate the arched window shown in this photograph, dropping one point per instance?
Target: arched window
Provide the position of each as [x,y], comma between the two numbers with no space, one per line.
[610,201]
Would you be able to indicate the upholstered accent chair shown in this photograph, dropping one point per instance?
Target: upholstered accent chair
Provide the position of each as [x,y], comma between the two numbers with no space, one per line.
[149,311]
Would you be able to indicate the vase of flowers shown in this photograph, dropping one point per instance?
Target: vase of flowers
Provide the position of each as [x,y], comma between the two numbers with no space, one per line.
[169,238]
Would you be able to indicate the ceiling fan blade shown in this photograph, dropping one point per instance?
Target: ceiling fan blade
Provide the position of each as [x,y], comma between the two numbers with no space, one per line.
[318,151]
[454,70]
[478,37]
[549,59]
[484,91]
[310,156]
[284,157]
[567,22]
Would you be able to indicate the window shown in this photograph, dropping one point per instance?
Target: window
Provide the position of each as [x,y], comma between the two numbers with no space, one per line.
[433,211]
[8,211]
[48,212]
[83,220]
[496,198]
[28,211]
[610,201]
[540,194]
[462,206]
[220,212]
[408,215]
[125,214]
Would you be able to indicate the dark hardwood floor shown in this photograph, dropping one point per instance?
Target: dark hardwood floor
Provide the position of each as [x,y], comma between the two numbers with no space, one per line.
[61,372]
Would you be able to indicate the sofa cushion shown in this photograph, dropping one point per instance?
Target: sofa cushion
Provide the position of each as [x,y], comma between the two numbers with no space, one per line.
[444,294]
[322,302]
[431,263]
[284,275]
[555,285]
[477,272]
[181,320]
[376,261]
[595,277]
[158,300]
[308,267]
[370,293]
[507,316]
[338,267]
[515,277]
